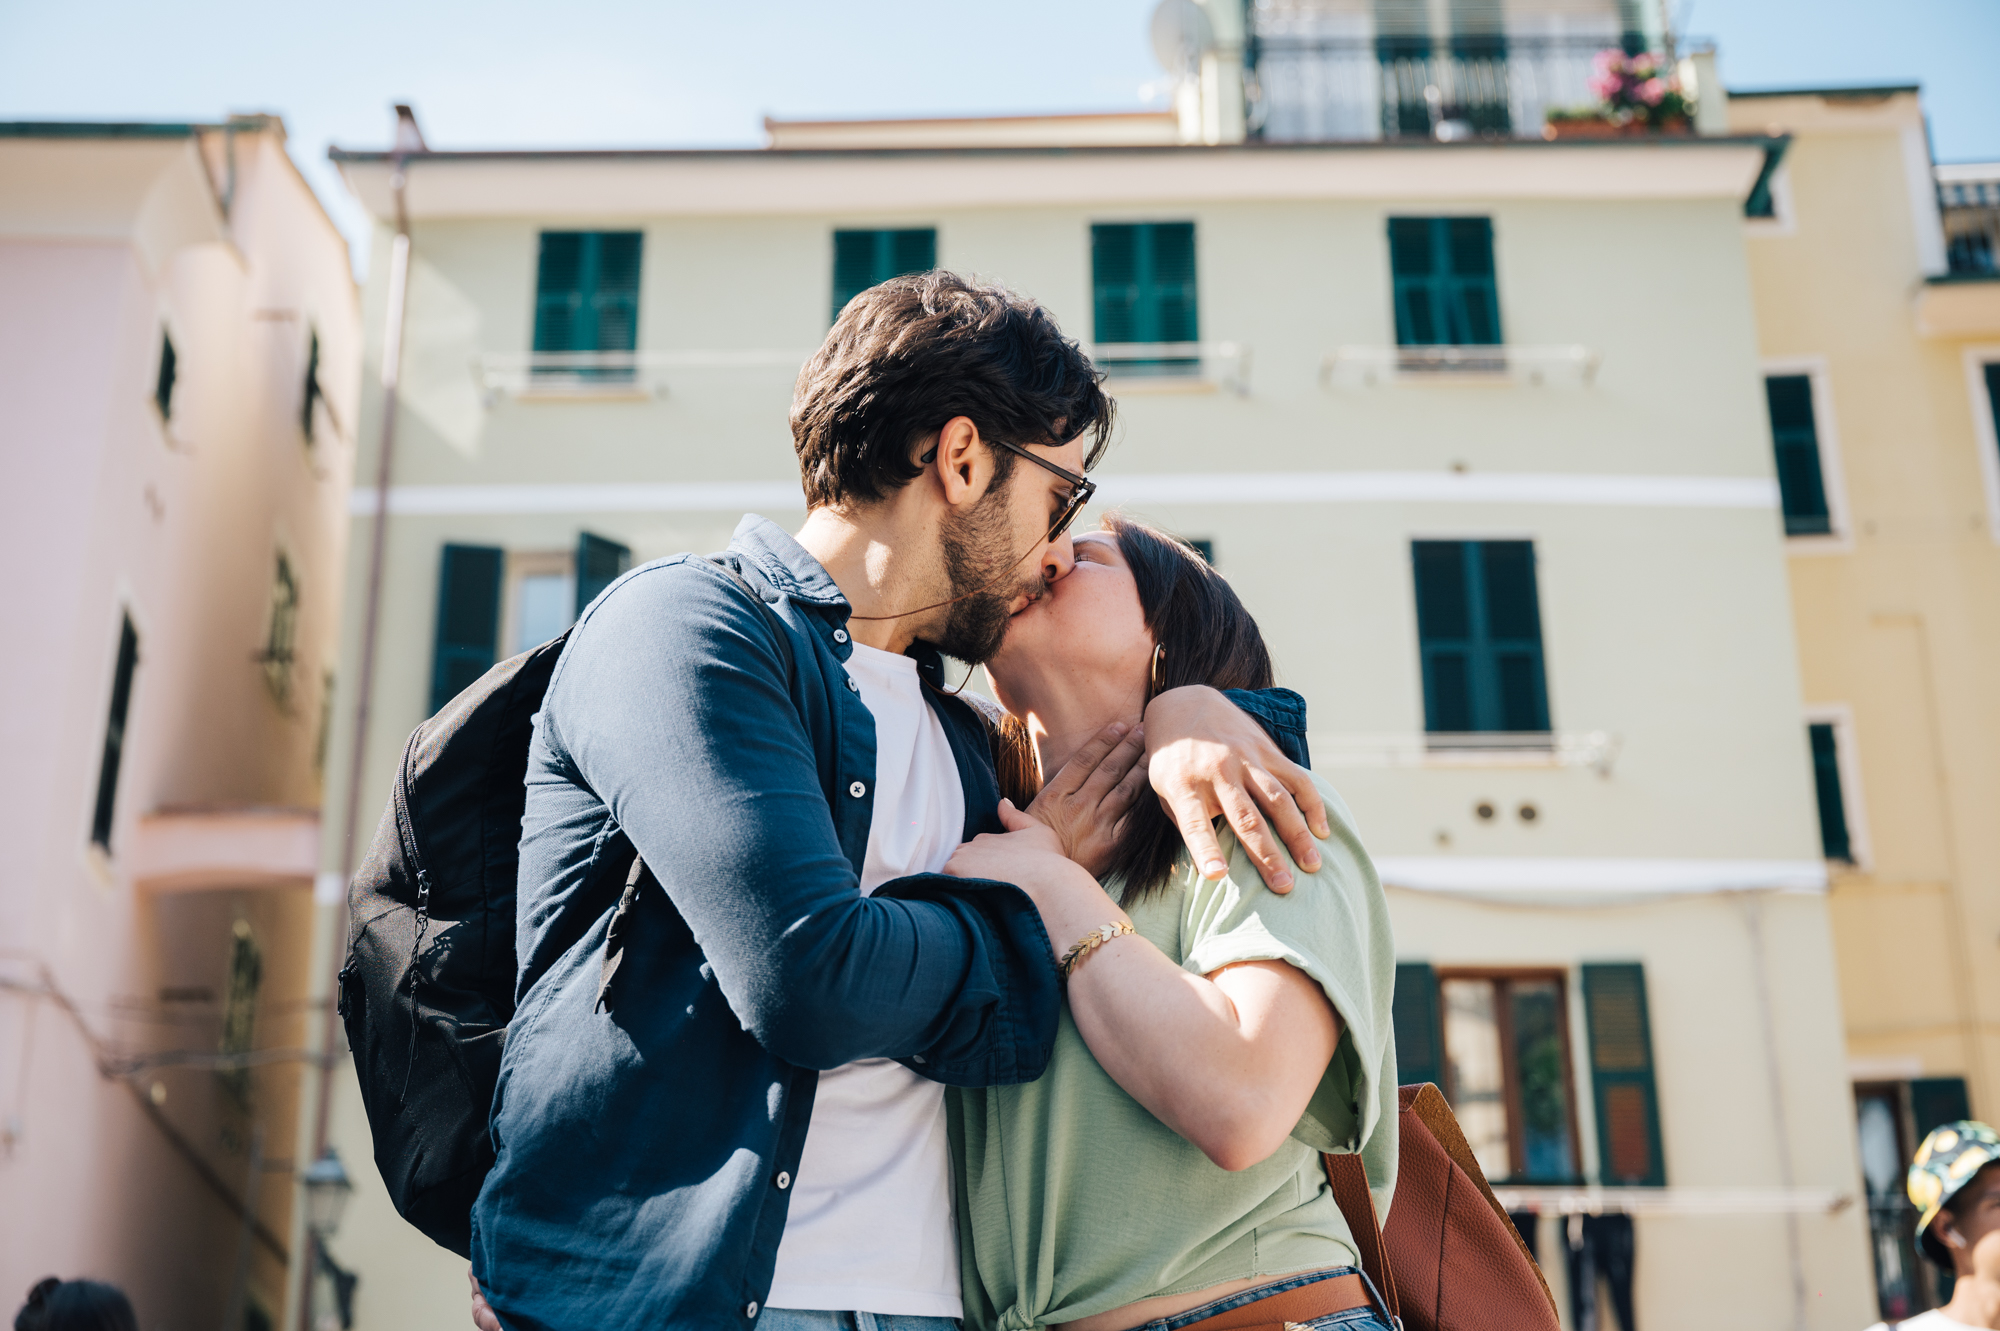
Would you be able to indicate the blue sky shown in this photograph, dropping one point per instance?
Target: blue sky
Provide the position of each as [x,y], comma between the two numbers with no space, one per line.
[619,73]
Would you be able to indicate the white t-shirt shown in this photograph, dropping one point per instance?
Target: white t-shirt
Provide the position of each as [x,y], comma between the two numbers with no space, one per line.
[1935,1320]
[870,1226]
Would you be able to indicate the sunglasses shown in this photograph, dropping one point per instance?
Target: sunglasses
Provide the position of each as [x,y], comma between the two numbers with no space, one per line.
[1081,487]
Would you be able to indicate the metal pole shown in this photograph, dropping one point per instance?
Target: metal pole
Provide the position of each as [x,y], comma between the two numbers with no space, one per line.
[408,141]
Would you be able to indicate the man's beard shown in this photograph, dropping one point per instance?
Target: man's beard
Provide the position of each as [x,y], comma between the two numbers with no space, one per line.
[979,563]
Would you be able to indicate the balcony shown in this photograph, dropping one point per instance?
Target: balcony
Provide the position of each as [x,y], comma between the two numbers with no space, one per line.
[1964,300]
[1325,76]
[610,375]
[1595,750]
[1170,366]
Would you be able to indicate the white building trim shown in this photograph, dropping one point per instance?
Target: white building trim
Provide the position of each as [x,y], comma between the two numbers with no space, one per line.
[1342,487]
[1567,876]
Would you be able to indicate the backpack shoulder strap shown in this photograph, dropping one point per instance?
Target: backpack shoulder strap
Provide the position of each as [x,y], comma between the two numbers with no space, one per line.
[1349,1181]
[614,942]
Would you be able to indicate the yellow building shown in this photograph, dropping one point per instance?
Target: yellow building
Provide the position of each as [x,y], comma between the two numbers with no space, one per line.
[1879,324]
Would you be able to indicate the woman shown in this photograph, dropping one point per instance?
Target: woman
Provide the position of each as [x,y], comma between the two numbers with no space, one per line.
[1164,1172]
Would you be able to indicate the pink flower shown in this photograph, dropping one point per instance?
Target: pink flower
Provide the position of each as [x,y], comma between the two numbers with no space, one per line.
[1652,91]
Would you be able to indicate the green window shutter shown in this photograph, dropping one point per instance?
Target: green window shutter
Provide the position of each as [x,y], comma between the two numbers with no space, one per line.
[468,619]
[1834,841]
[862,259]
[587,291]
[1795,439]
[114,733]
[615,294]
[559,291]
[1418,1029]
[1144,288]
[1479,636]
[163,387]
[599,563]
[1993,395]
[1936,1101]
[1621,1074]
[1442,276]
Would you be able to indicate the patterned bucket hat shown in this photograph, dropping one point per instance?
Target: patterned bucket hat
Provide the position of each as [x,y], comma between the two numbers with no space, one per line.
[1946,1162]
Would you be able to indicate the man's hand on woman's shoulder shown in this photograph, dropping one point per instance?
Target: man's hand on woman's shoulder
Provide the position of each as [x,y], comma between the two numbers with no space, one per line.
[1206,757]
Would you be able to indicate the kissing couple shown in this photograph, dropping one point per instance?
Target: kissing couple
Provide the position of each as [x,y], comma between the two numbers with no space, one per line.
[928,1012]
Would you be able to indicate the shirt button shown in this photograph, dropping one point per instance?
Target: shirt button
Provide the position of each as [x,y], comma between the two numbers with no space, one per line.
[784,1180]
[751,1311]
[857,790]
[840,635]
[852,687]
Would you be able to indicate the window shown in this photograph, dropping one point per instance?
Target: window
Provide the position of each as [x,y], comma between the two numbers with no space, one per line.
[239,1009]
[1203,546]
[1834,841]
[1621,1074]
[599,563]
[1795,437]
[114,734]
[1419,1036]
[1465,71]
[1891,1119]
[587,296]
[1442,272]
[313,395]
[468,619]
[862,259]
[1479,634]
[277,655]
[1506,1065]
[1144,296]
[163,387]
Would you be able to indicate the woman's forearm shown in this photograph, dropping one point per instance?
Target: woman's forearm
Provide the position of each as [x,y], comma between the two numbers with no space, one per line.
[1228,1061]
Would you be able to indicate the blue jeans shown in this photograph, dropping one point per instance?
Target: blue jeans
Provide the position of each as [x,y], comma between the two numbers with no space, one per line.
[1373,1318]
[800,1319]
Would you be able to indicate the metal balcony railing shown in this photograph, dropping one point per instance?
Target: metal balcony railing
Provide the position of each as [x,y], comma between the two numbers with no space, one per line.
[1364,367]
[585,374]
[1594,749]
[1971,210]
[1320,76]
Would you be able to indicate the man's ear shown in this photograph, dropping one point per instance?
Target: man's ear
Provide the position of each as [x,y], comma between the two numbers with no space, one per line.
[964,465]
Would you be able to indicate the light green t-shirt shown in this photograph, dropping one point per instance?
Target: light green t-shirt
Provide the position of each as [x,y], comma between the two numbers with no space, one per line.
[1073,1199]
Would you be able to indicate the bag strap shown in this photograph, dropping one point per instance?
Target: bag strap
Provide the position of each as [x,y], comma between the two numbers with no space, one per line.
[1349,1180]
[614,940]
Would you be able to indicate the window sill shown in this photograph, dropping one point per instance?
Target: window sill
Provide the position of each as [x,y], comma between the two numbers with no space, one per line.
[1595,749]
[1820,543]
[1370,367]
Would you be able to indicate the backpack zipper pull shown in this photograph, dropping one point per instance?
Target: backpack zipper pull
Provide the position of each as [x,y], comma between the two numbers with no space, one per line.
[416,973]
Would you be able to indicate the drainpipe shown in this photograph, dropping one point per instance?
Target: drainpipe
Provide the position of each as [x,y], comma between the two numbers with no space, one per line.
[409,143]
[1781,1132]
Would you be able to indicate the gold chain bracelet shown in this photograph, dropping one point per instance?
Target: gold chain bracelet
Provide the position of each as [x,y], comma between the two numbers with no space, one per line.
[1090,942]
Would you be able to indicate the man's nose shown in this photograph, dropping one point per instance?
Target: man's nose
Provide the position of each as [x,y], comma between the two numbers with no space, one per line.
[1058,558]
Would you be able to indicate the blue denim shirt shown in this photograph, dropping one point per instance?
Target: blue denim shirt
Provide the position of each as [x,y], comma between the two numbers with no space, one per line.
[645,1152]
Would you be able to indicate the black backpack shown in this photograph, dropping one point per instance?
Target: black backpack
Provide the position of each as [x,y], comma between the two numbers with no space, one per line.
[427,989]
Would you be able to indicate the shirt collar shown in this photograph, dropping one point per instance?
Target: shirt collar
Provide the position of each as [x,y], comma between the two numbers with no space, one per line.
[785,562]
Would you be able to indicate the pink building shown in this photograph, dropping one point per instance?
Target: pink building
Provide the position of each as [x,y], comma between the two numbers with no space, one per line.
[179,358]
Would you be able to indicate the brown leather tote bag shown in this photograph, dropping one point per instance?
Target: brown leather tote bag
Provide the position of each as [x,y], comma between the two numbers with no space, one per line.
[1450,1259]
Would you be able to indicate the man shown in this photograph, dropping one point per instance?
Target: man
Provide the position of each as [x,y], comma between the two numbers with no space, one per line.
[740,1123]
[1955,1186]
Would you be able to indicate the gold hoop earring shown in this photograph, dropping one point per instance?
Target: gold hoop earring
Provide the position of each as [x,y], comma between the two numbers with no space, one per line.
[1158,680]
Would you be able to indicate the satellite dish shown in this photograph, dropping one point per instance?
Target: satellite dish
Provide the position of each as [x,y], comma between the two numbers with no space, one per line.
[1182,35]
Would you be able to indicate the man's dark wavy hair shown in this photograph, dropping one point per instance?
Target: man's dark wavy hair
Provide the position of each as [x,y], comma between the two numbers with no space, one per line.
[910,354]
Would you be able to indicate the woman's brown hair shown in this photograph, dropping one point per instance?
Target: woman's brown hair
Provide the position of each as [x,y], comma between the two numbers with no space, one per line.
[1205,636]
